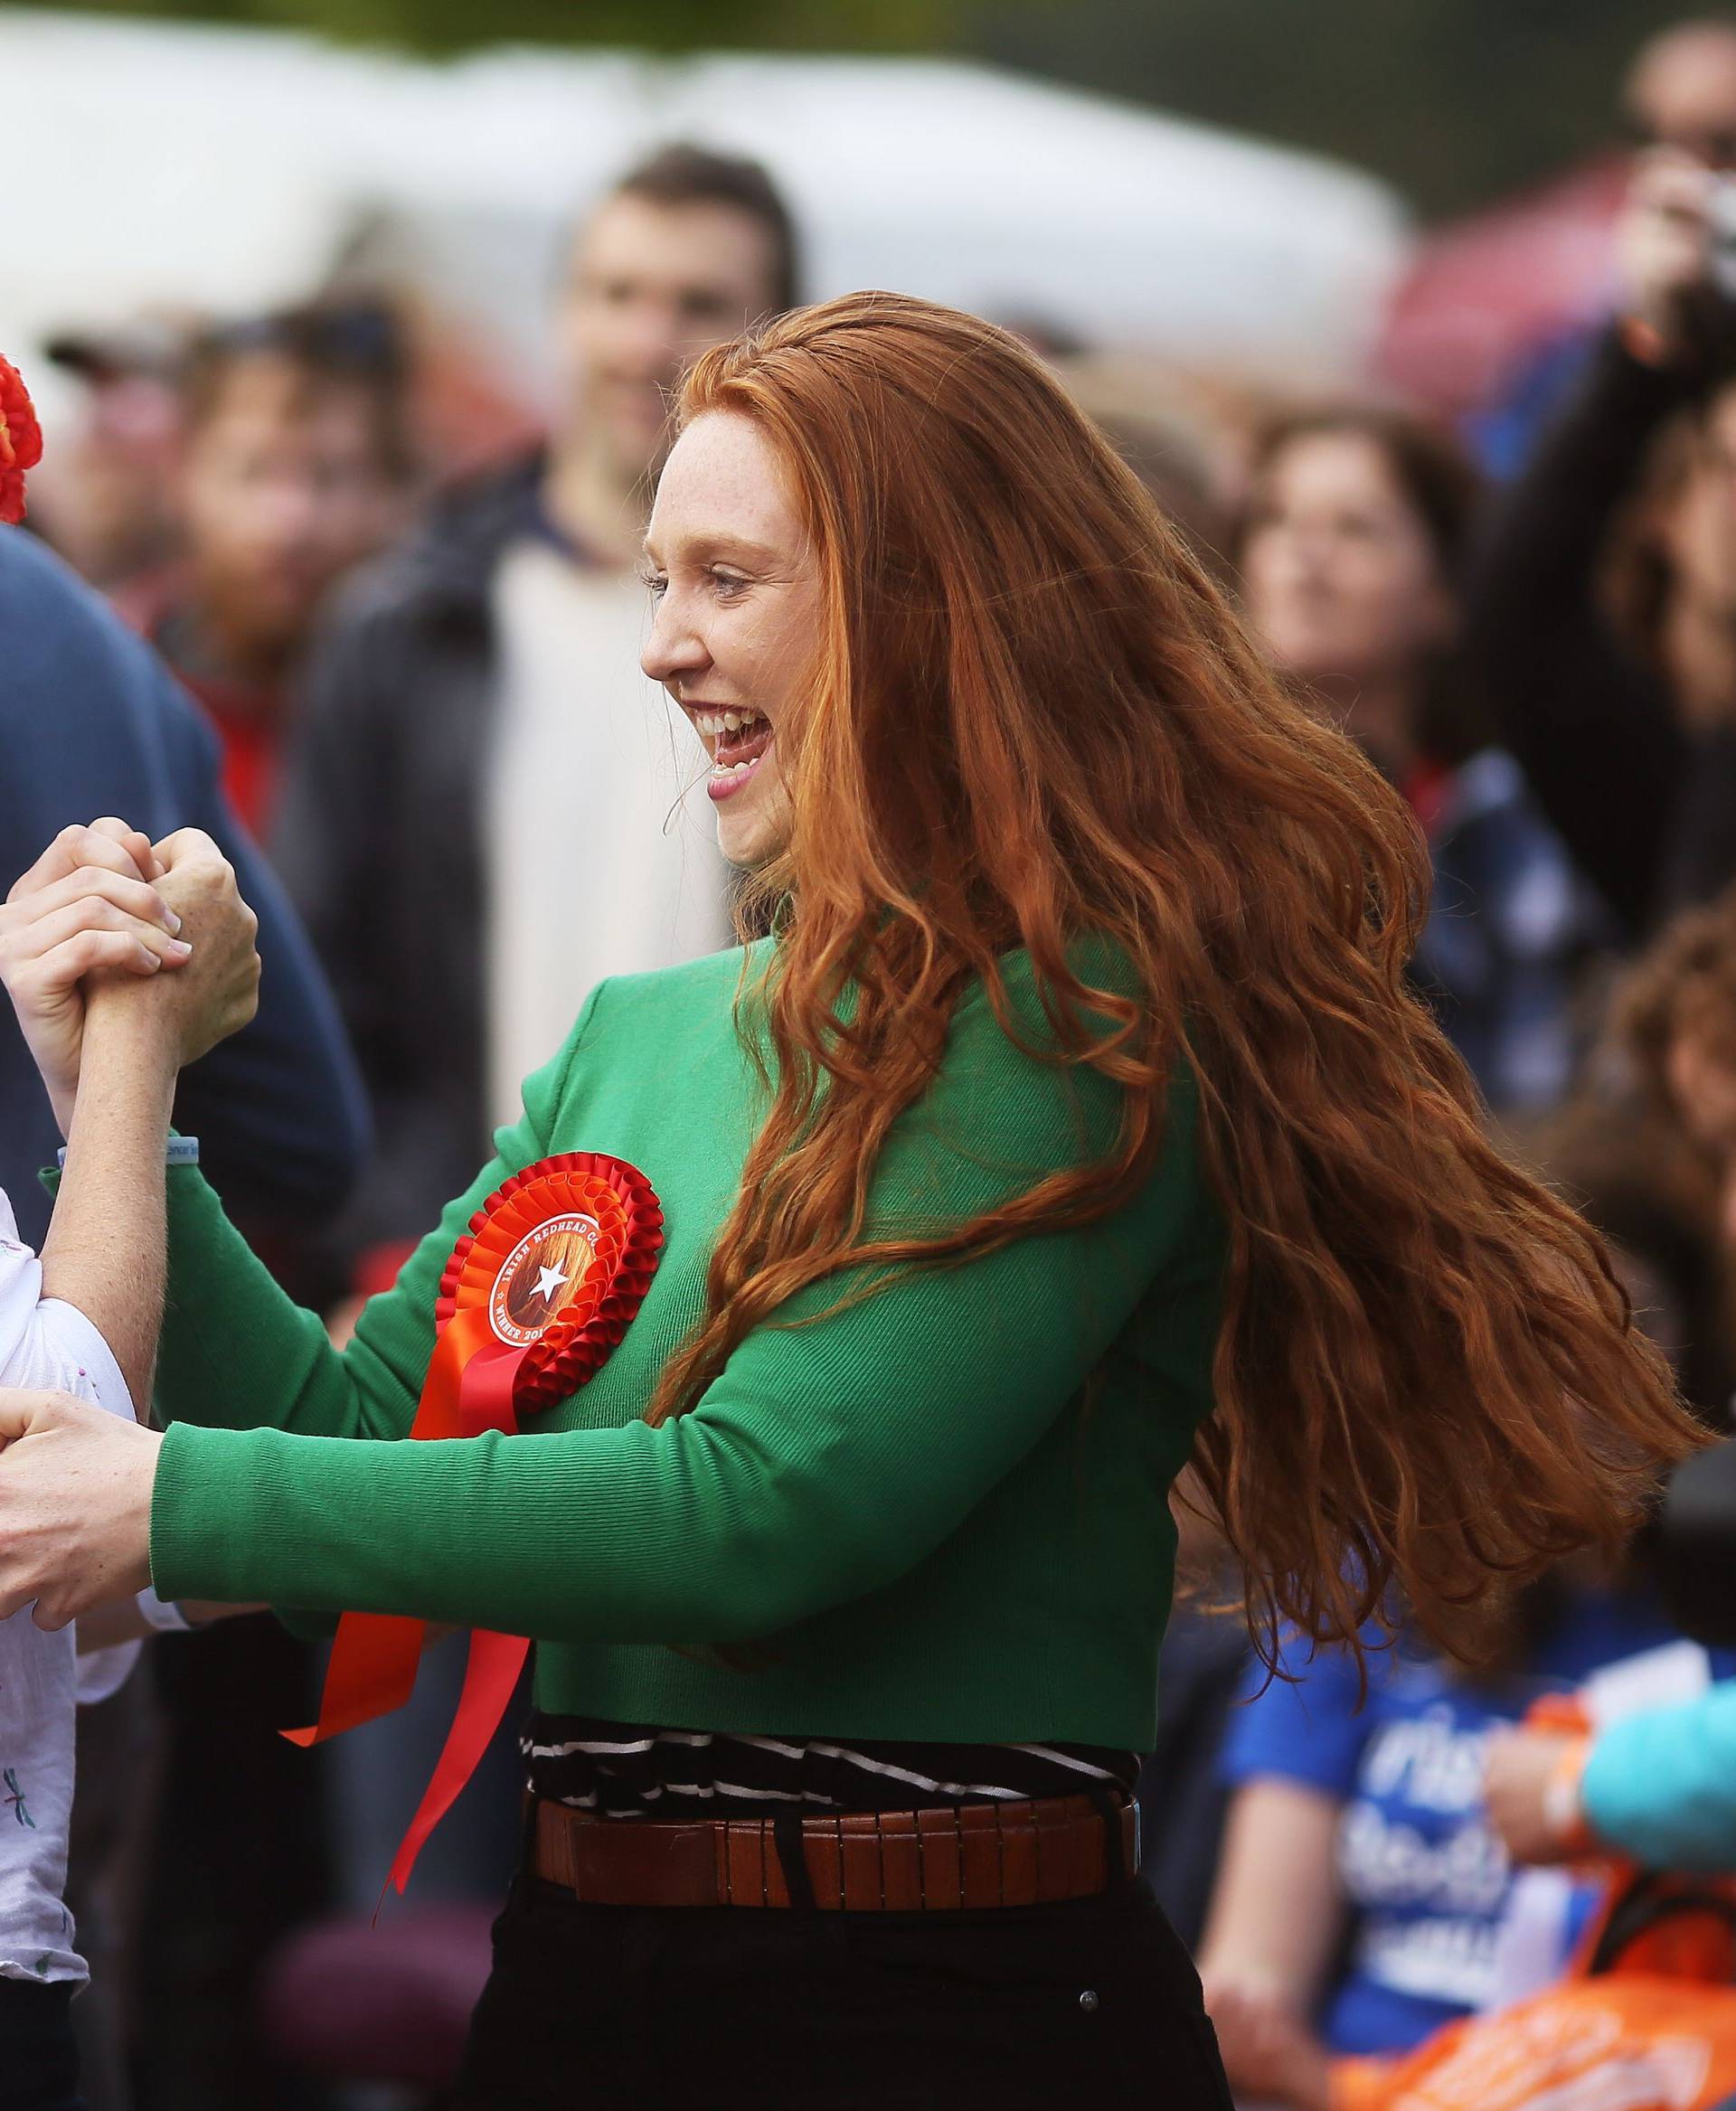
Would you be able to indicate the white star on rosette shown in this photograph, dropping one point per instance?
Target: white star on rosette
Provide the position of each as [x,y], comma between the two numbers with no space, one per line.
[548,1281]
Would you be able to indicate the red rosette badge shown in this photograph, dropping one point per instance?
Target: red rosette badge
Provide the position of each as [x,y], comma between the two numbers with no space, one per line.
[20,442]
[557,1262]
[537,1292]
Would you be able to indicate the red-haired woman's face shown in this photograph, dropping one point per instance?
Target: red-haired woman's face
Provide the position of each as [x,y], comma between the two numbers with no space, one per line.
[736,590]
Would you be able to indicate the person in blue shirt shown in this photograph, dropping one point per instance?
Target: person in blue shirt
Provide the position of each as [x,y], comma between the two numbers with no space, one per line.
[93,723]
[1362,1891]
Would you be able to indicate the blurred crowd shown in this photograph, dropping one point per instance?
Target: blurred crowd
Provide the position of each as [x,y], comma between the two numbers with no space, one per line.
[422,671]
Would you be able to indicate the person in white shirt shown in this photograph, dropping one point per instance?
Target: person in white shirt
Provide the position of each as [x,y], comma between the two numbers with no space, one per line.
[83,1319]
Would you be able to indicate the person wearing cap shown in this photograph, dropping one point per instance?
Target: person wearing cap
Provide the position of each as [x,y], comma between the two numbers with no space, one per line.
[294,465]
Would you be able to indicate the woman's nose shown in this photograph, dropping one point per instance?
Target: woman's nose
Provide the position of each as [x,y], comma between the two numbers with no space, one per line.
[672,647]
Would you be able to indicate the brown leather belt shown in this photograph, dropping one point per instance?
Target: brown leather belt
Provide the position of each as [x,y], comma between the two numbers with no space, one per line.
[979,1855]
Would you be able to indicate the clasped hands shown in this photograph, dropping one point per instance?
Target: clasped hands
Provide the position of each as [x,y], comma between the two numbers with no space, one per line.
[105,915]
[106,920]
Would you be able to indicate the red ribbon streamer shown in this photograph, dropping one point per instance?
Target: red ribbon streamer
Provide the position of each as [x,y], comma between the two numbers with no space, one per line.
[476,1381]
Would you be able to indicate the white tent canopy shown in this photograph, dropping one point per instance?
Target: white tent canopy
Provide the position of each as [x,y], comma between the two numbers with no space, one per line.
[164,165]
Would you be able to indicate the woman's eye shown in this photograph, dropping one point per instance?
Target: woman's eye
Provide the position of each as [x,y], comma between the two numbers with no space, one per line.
[655,584]
[726,585]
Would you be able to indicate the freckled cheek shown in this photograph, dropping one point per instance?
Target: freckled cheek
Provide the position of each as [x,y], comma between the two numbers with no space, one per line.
[739,651]
[783,654]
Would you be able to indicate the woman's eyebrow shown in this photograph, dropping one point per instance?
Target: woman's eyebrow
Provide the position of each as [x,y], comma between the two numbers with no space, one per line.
[741,549]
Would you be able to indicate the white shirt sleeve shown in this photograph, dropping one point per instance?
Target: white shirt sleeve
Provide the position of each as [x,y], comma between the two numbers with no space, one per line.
[103,1672]
[45,1341]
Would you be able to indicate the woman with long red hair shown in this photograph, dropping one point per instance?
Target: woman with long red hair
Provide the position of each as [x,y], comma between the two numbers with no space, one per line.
[1074,1119]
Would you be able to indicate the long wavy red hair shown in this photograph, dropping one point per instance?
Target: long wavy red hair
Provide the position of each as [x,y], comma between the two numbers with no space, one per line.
[1033,716]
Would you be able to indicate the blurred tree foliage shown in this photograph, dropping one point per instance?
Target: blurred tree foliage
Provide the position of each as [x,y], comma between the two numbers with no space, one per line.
[1454,101]
[452,26]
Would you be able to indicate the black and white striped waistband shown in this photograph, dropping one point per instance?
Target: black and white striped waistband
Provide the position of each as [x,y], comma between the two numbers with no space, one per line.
[628,1770]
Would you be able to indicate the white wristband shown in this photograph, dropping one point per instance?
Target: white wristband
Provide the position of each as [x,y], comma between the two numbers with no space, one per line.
[178,1151]
[160,1617]
[1563,1800]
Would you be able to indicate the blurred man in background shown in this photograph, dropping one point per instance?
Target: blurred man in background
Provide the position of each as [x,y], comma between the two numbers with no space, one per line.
[478,731]
[296,466]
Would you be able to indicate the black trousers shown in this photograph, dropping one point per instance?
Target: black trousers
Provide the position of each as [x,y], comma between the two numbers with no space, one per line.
[38,2063]
[606,2005]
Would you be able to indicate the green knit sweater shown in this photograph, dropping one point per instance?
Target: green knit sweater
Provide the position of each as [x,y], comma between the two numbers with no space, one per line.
[936,1525]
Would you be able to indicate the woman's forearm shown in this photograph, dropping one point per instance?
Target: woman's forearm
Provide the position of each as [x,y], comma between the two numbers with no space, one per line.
[104,1252]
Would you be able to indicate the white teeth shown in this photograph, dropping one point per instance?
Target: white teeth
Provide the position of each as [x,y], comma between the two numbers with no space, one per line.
[714,724]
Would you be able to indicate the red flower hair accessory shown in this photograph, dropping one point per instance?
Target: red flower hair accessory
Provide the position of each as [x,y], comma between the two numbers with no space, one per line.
[20,442]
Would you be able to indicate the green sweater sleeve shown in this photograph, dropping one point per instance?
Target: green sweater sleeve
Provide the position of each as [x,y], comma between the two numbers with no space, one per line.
[225,1315]
[838,1447]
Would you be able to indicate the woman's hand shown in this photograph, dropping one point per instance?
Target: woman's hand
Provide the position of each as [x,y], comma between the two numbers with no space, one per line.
[75,1505]
[88,906]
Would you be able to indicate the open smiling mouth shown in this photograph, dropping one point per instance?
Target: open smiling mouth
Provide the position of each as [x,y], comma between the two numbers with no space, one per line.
[738,740]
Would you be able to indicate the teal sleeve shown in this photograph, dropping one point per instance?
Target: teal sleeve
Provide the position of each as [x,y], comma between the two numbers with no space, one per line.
[238,1353]
[1662,1786]
[837,1448]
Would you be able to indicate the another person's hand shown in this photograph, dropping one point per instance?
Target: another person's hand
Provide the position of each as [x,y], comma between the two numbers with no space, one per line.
[75,1505]
[216,992]
[1270,2054]
[1664,247]
[1530,1790]
[88,905]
